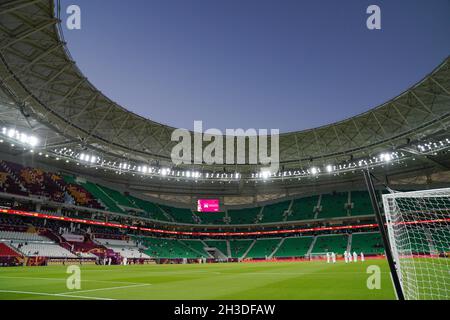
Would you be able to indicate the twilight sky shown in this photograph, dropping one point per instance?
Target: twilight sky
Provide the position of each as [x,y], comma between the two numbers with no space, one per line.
[277,64]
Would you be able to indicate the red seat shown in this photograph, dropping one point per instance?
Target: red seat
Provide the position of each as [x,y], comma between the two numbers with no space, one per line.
[6,251]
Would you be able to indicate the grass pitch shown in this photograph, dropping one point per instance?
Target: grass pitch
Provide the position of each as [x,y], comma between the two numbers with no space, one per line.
[235,281]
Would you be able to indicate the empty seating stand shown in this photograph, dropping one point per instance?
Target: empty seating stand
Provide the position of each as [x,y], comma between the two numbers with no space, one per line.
[294,247]
[239,247]
[333,205]
[244,216]
[369,243]
[6,251]
[361,204]
[152,210]
[263,248]
[167,248]
[303,209]
[221,245]
[331,243]
[179,214]
[275,212]
[211,217]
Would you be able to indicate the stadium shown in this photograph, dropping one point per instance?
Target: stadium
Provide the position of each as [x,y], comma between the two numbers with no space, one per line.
[85,182]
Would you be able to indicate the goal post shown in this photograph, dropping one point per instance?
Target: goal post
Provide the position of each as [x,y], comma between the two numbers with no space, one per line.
[418,225]
[316,256]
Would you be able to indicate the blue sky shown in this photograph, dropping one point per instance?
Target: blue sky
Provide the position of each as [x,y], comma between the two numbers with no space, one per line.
[287,65]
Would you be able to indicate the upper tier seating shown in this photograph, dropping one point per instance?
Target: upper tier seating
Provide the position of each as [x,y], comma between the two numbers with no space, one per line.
[81,196]
[303,209]
[244,216]
[361,203]
[275,212]
[211,217]
[102,196]
[333,205]
[179,214]
[152,210]
[263,248]
[17,179]
[367,243]
[21,236]
[8,184]
[331,243]
[117,197]
[294,247]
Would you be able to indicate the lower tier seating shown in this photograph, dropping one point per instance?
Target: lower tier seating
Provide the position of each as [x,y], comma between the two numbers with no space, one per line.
[6,251]
[367,243]
[263,248]
[239,247]
[331,243]
[49,250]
[294,247]
[221,245]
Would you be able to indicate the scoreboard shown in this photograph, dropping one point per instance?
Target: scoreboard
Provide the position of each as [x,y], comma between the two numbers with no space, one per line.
[208,205]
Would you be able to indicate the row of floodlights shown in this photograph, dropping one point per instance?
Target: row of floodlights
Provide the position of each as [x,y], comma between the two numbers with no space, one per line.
[433,146]
[313,171]
[21,137]
[264,174]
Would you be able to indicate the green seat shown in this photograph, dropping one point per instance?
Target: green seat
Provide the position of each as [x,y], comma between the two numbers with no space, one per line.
[361,203]
[331,243]
[211,217]
[238,247]
[218,244]
[303,209]
[181,215]
[274,212]
[263,248]
[244,216]
[333,205]
[294,247]
[367,243]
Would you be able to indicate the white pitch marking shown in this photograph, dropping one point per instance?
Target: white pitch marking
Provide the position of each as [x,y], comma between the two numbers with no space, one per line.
[64,279]
[53,295]
[110,288]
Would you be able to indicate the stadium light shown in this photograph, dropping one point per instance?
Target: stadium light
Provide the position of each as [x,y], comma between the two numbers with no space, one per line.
[22,137]
[265,174]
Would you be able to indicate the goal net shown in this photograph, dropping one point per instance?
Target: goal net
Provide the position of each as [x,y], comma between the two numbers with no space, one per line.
[418,225]
[317,256]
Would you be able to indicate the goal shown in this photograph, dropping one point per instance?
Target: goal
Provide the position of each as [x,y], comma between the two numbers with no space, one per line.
[418,225]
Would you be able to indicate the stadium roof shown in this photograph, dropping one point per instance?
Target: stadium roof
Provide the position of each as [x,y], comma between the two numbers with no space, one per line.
[43,91]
